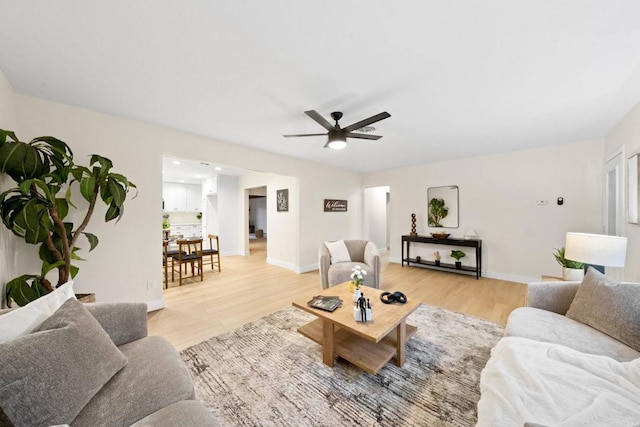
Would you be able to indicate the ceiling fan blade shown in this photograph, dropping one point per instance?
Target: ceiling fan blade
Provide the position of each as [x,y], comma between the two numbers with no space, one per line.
[305,134]
[363,136]
[367,122]
[319,119]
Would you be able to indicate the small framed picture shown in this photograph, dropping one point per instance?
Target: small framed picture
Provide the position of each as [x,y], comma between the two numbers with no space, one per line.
[282,200]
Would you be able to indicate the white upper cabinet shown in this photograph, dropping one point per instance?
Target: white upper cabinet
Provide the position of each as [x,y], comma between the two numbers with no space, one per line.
[182,197]
[194,198]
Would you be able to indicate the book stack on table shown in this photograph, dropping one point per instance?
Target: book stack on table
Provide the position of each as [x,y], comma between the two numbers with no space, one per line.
[327,303]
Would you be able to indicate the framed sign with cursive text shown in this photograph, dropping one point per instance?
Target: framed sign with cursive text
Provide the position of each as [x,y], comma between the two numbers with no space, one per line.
[333,205]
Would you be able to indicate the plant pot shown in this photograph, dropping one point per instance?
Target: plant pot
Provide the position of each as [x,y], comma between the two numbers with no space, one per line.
[459,265]
[572,274]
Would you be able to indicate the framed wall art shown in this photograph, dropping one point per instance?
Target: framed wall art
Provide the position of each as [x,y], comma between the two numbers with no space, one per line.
[282,200]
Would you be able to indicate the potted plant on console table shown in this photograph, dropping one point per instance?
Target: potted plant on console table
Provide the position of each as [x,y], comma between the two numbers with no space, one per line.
[458,255]
[36,209]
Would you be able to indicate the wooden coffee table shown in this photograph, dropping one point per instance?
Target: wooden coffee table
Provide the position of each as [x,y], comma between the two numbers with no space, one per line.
[368,345]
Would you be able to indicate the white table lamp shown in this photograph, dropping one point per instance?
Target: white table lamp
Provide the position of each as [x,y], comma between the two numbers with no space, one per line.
[596,250]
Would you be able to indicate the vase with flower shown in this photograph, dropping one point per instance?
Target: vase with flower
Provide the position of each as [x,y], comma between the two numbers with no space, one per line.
[357,280]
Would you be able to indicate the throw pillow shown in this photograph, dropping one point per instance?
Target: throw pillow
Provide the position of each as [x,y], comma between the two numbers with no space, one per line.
[338,251]
[48,376]
[25,319]
[608,306]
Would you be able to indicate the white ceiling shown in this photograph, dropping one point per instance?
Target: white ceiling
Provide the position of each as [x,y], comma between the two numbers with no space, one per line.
[175,169]
[459,78]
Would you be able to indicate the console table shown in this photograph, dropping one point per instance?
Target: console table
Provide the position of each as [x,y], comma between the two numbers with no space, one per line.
[477,244]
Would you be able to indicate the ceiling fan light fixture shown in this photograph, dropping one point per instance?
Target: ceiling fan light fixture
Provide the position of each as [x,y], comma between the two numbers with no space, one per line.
[337,142]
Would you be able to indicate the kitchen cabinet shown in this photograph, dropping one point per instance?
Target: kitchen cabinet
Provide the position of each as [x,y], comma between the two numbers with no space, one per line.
[182,197]
[194,198]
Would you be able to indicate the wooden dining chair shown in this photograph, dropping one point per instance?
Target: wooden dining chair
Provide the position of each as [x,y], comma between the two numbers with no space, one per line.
[211,252]
[189,252]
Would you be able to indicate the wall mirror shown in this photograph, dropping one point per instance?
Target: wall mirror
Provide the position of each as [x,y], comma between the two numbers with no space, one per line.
[442,206]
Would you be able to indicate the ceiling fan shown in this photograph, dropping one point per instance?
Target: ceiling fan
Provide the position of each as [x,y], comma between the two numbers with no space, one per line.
[337,135]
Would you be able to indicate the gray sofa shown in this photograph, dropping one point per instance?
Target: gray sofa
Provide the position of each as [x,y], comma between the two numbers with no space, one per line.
[126,379]
[570,358]
[362,253]
[544,319]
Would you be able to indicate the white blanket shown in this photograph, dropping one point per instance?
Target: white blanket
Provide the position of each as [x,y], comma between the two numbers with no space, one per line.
[549,384]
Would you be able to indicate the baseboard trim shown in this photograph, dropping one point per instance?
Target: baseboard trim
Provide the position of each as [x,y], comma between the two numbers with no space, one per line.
[282,264]
[155,305]
[308,268]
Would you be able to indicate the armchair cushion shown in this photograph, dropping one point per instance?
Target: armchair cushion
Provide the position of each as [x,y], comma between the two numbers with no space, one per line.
[48,376]
[608,306]
[338,251]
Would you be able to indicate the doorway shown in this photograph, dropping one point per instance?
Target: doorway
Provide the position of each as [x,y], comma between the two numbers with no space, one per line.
[613,194]
[376,216]
[257,218]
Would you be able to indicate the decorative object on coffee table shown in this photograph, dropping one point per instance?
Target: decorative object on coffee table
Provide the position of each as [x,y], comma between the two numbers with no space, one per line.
[413,226]
[436,256]
[458,255]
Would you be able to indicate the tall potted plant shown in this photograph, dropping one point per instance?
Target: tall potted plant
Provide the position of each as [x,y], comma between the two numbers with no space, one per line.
[571,270]
[36,209]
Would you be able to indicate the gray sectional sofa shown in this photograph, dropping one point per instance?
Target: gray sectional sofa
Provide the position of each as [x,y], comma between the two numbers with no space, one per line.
[571,357]
[94,365]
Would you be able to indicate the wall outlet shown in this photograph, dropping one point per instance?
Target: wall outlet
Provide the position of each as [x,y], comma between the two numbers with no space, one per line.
[542,202]
[151,285]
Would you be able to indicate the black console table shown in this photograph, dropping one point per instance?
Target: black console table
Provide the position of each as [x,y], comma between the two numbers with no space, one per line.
[477,244]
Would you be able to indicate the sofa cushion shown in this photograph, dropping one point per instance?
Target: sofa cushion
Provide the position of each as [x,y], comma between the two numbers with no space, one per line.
[338,251]
[20,321]
[48,376]
[608,306]
[154,377]
[183,413]
[546,326]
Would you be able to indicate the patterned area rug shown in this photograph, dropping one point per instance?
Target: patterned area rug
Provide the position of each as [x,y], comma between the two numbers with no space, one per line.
[266,374]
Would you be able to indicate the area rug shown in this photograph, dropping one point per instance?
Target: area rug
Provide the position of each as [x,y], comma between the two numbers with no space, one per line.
[266,374]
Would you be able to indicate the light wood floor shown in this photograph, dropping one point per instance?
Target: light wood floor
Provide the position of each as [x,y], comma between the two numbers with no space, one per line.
[248,288]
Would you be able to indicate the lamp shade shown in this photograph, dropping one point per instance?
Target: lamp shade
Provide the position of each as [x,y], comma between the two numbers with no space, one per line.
[596,249]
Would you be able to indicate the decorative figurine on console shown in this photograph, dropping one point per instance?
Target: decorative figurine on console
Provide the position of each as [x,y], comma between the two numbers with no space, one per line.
[436,256]
[413,226]
[362,310]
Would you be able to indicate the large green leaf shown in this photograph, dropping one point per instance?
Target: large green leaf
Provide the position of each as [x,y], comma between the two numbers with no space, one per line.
[93,240]
[24,289]
[113,212]
[117,192]
[62,206]
[87,187]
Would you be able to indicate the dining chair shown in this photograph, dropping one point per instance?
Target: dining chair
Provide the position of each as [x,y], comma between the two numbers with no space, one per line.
[212,251]
[189,252]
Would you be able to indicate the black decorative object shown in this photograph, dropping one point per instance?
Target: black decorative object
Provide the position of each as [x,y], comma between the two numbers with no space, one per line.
[413,225]
[388,297]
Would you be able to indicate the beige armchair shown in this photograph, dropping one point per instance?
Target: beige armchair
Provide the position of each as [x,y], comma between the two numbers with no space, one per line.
[362,253]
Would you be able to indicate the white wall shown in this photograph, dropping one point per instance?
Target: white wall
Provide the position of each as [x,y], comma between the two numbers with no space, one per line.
[229,216]
[8,242]
[128,254]
[498,196]
[375,216]
[627,134]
